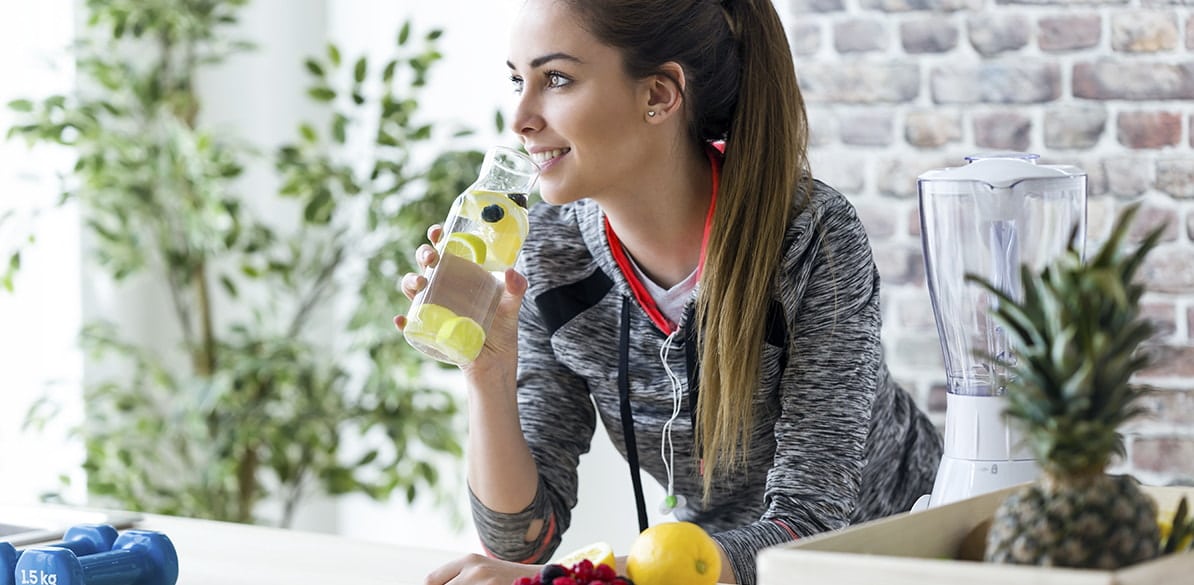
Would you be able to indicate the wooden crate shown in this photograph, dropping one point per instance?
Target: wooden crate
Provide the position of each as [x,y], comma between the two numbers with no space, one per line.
[919,549]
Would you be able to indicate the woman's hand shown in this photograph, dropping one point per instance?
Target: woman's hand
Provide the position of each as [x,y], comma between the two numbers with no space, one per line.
[501,342]
[425,257]
[480,570]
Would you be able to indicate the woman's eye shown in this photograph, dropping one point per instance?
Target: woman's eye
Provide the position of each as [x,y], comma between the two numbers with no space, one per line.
[555,79]
[516,82]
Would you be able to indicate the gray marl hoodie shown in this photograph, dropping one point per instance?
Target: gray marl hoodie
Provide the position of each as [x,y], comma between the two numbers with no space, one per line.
[835,440]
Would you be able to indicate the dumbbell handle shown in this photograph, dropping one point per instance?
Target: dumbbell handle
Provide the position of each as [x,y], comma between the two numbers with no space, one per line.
[118,567]
[88,539]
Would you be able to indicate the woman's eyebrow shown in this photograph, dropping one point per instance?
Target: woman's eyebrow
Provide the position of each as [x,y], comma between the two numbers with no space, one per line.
[541,61]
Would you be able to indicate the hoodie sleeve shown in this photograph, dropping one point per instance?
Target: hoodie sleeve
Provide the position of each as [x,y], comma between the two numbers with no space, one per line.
[828,385]
[558,419]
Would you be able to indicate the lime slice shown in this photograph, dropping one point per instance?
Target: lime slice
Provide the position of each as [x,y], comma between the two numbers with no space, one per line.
[465,245]
[425,322]
[461,339]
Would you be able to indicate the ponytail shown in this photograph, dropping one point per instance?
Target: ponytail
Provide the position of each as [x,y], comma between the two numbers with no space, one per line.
[765,160]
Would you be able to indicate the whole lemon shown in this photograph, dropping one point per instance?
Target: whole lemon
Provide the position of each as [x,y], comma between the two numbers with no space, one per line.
[674,553]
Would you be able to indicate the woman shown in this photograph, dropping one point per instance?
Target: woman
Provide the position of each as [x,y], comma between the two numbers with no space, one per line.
[718,312]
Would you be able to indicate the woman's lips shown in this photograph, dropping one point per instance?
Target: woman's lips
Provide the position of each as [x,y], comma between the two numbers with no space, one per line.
[547,158]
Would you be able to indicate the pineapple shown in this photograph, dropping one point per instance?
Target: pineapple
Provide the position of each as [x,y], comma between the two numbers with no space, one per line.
[1076,335]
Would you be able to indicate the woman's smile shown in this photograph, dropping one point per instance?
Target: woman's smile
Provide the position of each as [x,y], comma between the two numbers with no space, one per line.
[546,158]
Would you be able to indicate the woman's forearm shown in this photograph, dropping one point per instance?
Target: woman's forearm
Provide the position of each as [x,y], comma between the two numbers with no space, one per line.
[501,472]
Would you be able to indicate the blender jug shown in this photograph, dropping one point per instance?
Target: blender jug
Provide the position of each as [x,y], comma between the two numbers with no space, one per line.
[988,218]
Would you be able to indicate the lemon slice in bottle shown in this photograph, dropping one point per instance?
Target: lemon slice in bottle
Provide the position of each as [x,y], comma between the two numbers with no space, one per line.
[461,339]
[476,201]
[504,239]
[465,245]
[426,322]
[500,222]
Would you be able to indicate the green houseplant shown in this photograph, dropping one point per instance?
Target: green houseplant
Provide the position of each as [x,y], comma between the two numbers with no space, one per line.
[251,405]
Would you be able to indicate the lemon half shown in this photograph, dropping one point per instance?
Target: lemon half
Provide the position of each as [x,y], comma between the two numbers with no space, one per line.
[598,553]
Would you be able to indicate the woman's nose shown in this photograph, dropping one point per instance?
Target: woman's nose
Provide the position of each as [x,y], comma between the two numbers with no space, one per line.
[527,118]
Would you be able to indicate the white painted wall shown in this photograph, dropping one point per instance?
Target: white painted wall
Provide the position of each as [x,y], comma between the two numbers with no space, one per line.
[38,322]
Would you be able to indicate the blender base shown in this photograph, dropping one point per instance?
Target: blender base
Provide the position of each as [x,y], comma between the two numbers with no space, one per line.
[958,479]
[982,452]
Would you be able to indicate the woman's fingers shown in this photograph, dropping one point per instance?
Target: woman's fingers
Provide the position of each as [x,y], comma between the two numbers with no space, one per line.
[446,573]
[426,256]
[516,285]
[479,570]
[412,283]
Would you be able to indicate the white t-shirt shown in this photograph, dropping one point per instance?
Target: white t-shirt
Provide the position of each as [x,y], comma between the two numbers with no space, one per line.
[670,301]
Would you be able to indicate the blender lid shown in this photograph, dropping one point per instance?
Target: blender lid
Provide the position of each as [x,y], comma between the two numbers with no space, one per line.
[1002,170]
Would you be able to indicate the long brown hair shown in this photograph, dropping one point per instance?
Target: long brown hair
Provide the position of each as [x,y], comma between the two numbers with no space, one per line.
[741,88]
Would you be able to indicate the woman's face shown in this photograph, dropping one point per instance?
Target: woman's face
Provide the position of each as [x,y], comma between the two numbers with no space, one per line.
[578,114]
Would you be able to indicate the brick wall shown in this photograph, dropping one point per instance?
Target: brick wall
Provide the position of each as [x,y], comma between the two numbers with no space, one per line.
[898,87]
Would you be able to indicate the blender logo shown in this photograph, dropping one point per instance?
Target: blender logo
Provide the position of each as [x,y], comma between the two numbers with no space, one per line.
[36,577]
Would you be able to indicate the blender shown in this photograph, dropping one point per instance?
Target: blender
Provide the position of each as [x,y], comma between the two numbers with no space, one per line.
[988,218]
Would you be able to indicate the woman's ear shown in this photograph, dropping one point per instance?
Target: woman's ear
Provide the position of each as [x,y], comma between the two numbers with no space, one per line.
[664,92]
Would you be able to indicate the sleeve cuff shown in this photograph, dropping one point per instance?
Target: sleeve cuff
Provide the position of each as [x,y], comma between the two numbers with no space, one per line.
[503,535]
[741,545]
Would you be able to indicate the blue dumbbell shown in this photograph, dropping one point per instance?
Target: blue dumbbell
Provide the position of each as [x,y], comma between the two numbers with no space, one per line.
[82,539]
[138,557]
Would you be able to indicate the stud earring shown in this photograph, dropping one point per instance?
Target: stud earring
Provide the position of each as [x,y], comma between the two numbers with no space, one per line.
[651,114]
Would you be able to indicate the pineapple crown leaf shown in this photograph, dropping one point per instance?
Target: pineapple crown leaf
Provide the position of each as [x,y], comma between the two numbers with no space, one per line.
[1077,337]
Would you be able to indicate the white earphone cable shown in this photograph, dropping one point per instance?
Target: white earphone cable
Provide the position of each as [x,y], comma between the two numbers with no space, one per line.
[666,449]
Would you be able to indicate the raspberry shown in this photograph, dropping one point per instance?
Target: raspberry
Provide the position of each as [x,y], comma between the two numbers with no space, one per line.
[604,573]
[526,581]
[564,581]
[583,571]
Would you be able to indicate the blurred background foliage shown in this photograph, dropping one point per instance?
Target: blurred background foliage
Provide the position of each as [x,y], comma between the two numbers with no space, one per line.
[259,401]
